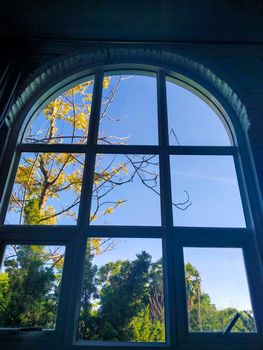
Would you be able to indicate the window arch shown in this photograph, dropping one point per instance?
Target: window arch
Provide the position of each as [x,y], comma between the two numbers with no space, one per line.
[180,184]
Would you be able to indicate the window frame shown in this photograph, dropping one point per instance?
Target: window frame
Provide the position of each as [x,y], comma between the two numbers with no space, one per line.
[174,237]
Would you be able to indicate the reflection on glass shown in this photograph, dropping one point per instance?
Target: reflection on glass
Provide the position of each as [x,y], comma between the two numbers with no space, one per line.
[191,121]
[208,187]
[46,190]
[30,279]
[65,119]
[217,290]
[126,190]
[123,295]
[128,113]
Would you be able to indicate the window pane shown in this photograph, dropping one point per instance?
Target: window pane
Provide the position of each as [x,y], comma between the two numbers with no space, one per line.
[128,109]
[126,190]
[191,121]
[47,189]
[65,119]
[205,192]
[123,295]
[30,279]
[217,290]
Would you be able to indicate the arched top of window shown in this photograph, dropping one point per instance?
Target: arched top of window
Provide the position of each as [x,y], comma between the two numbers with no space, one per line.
[127,118]
[129,114]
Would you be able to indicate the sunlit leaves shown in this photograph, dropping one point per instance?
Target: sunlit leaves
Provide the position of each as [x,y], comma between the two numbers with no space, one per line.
[96,245]
[47,188]
[29,285]
[108,211]
[106,82]
[65,119]
[80,121]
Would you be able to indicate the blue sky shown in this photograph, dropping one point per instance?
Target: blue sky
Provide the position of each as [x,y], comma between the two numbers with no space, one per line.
[133,112]
[222,269]
[192,120]
[223,275]
[209,180]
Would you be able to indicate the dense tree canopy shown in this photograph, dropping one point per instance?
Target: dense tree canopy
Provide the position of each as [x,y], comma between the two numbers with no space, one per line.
[29,286]
[121,300]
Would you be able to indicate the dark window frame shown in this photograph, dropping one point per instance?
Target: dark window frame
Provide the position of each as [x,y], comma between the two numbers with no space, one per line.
[174,238]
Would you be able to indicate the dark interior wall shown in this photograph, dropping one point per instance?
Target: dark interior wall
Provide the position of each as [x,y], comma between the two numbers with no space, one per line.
[137,20]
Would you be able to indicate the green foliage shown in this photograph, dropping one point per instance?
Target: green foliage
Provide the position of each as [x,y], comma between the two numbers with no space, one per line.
[26,297]
[121,301]
[144,329]
[32,212]
[203,316]
[123,294]
[87,314]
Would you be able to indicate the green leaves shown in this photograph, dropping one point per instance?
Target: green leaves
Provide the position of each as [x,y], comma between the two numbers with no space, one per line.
[123,290]
[203,315]
[28,288]
[32,213]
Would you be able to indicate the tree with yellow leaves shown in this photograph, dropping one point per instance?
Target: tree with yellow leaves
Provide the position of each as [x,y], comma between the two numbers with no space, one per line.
[48,185]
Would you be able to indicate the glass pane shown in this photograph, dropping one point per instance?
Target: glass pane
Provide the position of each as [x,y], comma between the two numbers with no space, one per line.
[191,121]
[47,189]
[65,119]
[123,294]
[217,290]
[205,192]
[30,279]
[128,109]
[126,190]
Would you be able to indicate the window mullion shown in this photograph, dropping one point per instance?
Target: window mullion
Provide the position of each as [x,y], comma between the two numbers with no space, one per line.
[165,180]
[255,284]
[211,235]
[203,150]
[52,148]
[86,195]
[243,192]
[84,212]
[77,262]
[166,208]
[2,251]
[9,187]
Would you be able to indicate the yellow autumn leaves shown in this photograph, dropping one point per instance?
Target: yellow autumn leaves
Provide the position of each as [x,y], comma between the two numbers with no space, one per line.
[42,178]
[72,107]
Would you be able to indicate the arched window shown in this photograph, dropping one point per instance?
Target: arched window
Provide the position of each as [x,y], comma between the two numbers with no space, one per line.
[126,219]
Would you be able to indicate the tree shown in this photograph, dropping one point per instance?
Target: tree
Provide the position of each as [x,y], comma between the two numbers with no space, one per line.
[29,288]
[156,305]
[203,316]
[123,294]
[121,301]
[193,292]
[145,329]
[125,310]
[89,291]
